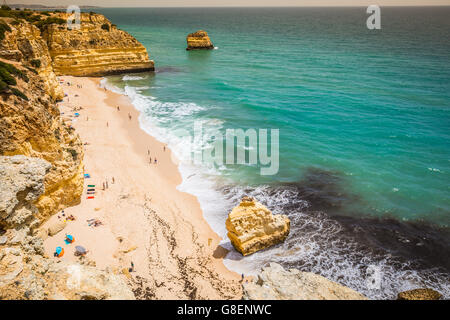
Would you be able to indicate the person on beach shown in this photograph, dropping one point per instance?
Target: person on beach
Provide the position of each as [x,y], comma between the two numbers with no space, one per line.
[118,109]
[107,123]
[113,180]
[104,186]
[150,160]
[129,116]
[156,161]
[148,152]
[164,148]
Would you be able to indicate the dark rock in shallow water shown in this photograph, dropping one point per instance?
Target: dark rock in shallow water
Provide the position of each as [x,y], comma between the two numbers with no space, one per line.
[419,294]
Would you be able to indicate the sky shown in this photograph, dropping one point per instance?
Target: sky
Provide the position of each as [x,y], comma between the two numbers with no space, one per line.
[234,3]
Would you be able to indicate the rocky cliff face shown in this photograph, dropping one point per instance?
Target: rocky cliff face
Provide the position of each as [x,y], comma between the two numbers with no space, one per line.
[98,48]
[199,40]
[25,272]
[252,227]
[275,283]
[24,44]
[30,125]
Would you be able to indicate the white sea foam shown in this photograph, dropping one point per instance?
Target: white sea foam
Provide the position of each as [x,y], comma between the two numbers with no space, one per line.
[131,78]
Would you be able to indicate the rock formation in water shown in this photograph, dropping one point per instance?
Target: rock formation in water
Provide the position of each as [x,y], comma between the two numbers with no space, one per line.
[198,40]
[252,227]
[419,294]
[97,48]
[275,283]
[25,271]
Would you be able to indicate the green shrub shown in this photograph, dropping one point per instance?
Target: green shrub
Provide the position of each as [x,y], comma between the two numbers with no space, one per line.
[32,70]
[6,77]
[42,24]
[3,28]
[13,70]
[5,7]
[19,93]
[36,63]
[74,153]
[105,26]
[3,86]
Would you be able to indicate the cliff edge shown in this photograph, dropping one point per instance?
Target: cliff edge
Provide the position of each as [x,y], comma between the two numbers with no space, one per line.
[97,48]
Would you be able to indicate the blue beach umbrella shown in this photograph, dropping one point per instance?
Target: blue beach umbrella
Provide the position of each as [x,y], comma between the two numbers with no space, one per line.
[69,239]
[59,252]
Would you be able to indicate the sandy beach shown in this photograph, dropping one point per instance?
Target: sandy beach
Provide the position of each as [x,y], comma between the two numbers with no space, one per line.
[145,219]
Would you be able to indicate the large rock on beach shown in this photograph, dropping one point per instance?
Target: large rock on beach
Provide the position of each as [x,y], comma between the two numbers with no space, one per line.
[275,283]
[252,227]
[419,294]
[199,40]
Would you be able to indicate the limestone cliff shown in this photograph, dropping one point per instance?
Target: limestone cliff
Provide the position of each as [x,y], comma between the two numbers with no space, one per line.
[252,227]
[199,40]
[24,44]
[275,283]
[30,125]
[25,272]
[98,48]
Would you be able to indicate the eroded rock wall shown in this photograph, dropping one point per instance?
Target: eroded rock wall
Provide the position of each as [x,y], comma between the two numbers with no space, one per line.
[24,44]
[34,128]
[25,271]
[97,48]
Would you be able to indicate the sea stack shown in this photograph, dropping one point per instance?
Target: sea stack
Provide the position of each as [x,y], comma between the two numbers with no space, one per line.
[252,227]
[199,40]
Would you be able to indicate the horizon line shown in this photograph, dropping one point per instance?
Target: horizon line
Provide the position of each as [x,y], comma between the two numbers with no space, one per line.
[218,6]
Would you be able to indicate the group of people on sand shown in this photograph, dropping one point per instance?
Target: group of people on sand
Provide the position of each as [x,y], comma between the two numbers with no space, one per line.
[155,160]
[106,185]
[68,218]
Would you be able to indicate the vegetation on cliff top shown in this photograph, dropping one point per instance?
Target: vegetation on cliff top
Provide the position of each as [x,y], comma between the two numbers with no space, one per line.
[34,17]
[3,28]
[7,79]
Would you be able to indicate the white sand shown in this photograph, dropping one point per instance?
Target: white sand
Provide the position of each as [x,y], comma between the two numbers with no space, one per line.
[142,209]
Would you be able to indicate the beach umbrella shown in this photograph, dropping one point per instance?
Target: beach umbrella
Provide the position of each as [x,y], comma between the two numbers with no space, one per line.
[59,252]
[79,250]
[69,239]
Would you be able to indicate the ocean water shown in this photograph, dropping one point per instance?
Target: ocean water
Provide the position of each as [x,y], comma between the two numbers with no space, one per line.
[364,128]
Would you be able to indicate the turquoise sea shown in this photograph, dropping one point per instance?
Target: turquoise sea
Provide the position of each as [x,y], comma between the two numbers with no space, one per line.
[364,122]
